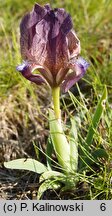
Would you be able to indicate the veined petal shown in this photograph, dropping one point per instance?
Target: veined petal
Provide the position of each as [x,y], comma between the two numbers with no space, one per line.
[27,29]
[58,47]
[61,75]
[49,46]
[79,67]
[73,44]
[26,70]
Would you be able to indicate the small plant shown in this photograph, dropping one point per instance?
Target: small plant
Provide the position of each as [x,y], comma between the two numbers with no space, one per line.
[49,44]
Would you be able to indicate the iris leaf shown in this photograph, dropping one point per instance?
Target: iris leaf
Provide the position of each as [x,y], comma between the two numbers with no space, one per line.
[26,164]
[50,175]
[48,184]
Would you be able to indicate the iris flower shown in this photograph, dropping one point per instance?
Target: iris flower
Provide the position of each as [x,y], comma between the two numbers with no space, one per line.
[49,43]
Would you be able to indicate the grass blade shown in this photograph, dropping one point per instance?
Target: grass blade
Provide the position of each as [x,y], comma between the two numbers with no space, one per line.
[73,145]
[49,151]
[96,118]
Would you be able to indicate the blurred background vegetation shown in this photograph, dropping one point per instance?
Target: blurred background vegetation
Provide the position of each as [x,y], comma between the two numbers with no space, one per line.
[23,106]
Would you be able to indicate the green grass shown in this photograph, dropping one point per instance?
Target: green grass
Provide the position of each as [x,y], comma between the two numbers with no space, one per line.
[24,105]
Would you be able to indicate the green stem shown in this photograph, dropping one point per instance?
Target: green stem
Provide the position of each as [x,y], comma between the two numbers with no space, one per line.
[58,137]
[60,143]
[56,101]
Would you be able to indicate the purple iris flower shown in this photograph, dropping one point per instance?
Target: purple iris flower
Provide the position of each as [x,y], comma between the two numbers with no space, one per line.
[49,44]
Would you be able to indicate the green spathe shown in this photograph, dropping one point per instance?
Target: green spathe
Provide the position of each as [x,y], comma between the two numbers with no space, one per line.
[60,143]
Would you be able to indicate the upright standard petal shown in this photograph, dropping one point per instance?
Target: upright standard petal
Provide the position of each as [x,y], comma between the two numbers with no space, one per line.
[73,44]
[61,24]
[28,31]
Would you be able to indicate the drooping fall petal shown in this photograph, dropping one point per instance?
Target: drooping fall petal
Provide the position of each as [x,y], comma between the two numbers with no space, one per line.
[79,67]
[25,70]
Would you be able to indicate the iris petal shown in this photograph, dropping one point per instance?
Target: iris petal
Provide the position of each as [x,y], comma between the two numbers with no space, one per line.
[79,67]
[26,69]
[73,44]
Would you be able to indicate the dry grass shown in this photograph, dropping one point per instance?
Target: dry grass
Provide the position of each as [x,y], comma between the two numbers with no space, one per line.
[21,125]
